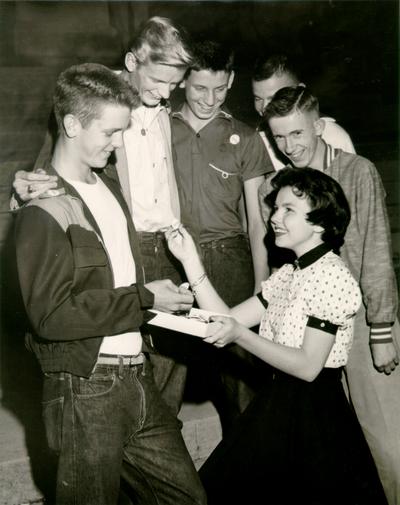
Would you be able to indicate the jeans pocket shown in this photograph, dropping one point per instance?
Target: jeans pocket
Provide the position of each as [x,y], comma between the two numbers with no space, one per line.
[95,385]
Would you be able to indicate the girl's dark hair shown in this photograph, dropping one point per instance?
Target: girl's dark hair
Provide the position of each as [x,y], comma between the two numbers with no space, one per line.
[330,208]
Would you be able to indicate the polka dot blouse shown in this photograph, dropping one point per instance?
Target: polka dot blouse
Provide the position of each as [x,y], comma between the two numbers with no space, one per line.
[324,292]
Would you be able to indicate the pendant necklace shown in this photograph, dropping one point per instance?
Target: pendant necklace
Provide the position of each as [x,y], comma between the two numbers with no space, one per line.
[143,129]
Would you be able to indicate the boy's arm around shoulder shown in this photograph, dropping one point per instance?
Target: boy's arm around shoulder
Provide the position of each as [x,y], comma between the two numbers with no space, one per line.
[29,185]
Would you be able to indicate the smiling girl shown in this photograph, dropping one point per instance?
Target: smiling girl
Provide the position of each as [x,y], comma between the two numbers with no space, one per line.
[299,441]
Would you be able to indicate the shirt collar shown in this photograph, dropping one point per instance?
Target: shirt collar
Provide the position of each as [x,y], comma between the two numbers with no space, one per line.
[139,114]
[312,256]
[330,155]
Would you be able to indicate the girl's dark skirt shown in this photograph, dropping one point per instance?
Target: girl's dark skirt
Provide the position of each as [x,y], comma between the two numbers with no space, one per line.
[297,443]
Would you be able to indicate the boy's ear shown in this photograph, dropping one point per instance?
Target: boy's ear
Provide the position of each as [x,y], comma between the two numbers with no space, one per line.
[319,126]
[131,62]
[182,84]
[72,125]
[230,80]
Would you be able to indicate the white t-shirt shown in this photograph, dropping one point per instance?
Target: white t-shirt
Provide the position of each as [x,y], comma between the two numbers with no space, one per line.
[113,226]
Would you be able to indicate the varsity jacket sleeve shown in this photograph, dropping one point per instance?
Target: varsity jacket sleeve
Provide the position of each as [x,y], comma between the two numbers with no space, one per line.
[377,277]
[65,281]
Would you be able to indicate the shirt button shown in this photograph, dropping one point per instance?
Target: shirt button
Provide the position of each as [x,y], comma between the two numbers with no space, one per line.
[322,325]
[198,135]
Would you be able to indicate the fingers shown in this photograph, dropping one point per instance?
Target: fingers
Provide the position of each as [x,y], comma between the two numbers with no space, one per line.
[170,285]
[176,231]
[185,294]
[38,175]
[169,233]
[184,289]
[183,231]
[29,185]
[170,298]
[216,333]
[389,368]
[30,191]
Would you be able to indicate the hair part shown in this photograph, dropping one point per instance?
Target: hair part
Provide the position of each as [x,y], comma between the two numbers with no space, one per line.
[291,99]
[212,55]
[82,90]
[159,41]
[329,206]
[276,64]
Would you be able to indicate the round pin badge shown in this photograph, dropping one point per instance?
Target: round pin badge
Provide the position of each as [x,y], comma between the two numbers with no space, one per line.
[234,139]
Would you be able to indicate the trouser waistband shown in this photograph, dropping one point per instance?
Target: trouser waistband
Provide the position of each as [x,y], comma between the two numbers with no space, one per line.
[118,360]
[149,236]
[224,242]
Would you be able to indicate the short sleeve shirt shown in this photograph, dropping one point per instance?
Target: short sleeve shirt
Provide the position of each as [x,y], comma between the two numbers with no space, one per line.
[326,290]
[211,167]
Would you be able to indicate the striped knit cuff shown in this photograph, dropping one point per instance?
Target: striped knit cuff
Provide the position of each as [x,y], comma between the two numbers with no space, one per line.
[380,333]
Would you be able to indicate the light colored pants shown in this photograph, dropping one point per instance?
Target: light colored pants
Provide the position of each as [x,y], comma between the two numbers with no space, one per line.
[376,400]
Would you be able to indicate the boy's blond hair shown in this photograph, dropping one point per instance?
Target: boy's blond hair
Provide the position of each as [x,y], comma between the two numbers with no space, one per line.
[159,41]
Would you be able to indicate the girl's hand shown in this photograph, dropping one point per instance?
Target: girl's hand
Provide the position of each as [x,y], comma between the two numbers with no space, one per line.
[180,243]
[222,330]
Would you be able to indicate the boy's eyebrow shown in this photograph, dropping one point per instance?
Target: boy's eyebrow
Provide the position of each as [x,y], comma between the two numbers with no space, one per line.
[113,130]
[290,133]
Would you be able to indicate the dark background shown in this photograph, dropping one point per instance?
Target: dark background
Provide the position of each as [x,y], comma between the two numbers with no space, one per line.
[348,51]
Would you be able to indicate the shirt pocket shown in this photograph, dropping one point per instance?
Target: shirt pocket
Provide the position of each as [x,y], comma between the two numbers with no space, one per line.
[223,180]
[87,249]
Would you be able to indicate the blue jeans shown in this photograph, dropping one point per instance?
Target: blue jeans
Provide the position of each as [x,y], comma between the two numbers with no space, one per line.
[112,426]
[159,263]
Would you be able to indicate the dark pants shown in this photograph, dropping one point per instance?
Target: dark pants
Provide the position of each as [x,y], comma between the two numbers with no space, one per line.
[159,263]
[229,266]
[115,425]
